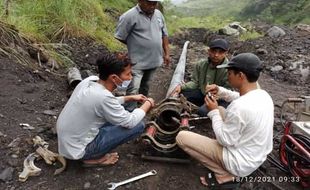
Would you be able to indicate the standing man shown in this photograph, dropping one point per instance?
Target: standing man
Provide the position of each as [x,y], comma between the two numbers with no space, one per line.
[93,122]
[205,72]
[244,137]
[143,30]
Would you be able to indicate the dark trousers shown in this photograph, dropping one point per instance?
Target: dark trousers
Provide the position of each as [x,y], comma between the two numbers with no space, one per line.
[196,97]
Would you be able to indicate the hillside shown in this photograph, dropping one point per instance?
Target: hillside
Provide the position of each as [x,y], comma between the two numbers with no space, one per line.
[279,11]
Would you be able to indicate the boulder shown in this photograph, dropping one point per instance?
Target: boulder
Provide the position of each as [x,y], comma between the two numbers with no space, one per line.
[227,30]
[275,32]
[303,27]
[237,26]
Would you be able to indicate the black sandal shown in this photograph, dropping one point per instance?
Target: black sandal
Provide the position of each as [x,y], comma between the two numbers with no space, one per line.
[213,183]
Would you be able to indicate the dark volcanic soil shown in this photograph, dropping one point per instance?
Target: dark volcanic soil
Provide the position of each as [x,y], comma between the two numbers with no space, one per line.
[37,97]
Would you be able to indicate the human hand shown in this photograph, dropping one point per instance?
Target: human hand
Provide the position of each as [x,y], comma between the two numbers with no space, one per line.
[212,88]
[211,102]
[139,98]
[167,60]
[176,91]
[151,101]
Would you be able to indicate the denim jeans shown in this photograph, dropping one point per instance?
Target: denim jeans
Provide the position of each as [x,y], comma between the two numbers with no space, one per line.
[196,97]
[109,137]
[139,85]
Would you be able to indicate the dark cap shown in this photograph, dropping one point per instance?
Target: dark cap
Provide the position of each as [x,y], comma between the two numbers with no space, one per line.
[245,62]
[219,43]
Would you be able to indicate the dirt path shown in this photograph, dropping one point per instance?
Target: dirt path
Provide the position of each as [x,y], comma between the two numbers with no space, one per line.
[37,98]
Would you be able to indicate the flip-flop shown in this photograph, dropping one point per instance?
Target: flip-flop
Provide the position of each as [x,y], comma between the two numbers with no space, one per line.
[213,183]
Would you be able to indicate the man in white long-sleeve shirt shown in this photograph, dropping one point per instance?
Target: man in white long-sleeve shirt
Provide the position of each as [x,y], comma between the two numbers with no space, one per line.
[93,122]
[243,134]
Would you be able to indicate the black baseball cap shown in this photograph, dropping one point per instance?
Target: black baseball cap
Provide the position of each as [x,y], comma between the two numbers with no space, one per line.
[245,62]
[219,43]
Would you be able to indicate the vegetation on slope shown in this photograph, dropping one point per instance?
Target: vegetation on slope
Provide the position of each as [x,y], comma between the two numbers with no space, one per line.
[279,11]
[51,21]
[275,11]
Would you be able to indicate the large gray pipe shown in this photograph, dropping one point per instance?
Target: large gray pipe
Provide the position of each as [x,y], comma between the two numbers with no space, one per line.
[178,75]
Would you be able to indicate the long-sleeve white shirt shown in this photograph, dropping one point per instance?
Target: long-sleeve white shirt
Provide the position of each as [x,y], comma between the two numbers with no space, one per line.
[90,106]
[246,132]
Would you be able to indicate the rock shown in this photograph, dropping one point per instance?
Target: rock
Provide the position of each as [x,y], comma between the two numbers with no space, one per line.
[226,30]
[237,26]
[87,185]
[2,116]
[303,28]
[7,174]
[26,126]
[52,63]
[14,156]
[2,135]
[261,51]
[50,112]
[276,68]
[14,143]
[275,32]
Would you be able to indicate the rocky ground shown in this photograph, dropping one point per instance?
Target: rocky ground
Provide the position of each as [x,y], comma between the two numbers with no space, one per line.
[35,95]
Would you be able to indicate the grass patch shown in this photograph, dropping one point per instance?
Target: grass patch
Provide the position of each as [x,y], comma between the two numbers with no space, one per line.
[249,35]
[51,21]
[175,23]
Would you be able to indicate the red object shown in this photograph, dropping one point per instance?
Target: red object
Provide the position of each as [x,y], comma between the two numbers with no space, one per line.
[151,131]
[296,167]
[184,122]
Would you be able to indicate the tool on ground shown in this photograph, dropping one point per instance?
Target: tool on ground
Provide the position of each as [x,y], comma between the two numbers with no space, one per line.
[115,185]
[29,168]
[41,152]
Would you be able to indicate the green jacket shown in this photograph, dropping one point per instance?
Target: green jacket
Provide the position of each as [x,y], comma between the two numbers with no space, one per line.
[205,74]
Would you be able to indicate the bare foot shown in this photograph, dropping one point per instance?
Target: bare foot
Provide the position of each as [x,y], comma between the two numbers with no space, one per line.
[108,159]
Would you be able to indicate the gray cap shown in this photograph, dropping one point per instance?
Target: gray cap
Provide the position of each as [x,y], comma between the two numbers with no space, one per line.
[245,62]
[219,43]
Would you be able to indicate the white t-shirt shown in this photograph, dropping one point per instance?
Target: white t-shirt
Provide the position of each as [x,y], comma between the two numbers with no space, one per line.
[246,132]
[90,106]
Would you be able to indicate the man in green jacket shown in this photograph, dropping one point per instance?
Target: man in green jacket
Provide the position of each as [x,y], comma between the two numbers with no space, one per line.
[206,73]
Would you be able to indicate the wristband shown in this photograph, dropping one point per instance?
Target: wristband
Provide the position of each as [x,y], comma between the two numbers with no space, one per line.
[147,100]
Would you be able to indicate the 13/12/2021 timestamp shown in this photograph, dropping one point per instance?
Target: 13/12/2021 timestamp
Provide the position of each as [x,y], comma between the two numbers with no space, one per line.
[268,179]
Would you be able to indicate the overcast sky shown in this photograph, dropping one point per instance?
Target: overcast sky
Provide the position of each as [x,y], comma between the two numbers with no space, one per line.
[177,1]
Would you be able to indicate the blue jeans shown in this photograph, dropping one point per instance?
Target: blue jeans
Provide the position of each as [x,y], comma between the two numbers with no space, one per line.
[139,85]
[109,137]
[196,97]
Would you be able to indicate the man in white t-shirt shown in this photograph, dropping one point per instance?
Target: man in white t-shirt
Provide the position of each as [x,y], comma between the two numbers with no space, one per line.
[94,122]
[244,133]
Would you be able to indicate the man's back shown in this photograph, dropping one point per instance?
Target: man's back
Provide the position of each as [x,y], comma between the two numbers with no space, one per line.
[251,142]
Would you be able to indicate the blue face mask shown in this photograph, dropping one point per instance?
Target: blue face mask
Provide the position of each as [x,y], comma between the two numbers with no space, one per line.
[124,85]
